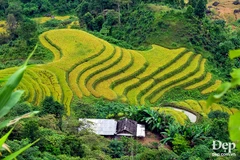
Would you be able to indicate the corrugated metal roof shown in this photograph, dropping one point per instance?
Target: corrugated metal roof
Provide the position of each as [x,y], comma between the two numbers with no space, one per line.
[102,126]
[127,125]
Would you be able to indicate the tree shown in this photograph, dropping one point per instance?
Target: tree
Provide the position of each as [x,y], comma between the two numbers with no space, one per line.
[49,106]
[116,148]
[3,4]
[83,8]
[119,3]
[27,30]
[88,19]
[20,109]
[31,129]
[11,24]
[15,8]
[200,8]
[71,145]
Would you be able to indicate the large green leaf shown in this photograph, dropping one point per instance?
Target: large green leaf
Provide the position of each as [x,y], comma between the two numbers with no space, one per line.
[234,53]
[12,83]
[14,98]
[223,88]
[235,77]
[4,123]
[15,154]
[4,138]
[234,129]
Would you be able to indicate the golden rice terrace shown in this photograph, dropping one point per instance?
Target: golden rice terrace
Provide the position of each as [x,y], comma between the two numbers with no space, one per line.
[85,65]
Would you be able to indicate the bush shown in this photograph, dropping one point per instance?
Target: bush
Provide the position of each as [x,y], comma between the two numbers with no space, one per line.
[161,154]
[116,149]
[218,115]
[200,152]
[180,144]
[52,23]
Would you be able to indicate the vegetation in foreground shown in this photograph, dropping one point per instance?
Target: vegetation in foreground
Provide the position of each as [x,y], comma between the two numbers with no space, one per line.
[129,24]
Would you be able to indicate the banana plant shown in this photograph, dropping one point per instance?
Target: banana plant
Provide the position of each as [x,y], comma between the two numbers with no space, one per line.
[8,98]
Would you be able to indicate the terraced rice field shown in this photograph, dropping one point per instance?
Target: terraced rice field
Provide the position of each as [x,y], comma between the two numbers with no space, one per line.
[201,107]
[212,88]
[85,65]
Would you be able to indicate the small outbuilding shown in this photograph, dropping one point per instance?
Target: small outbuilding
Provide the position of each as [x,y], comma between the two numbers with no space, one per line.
[111,127]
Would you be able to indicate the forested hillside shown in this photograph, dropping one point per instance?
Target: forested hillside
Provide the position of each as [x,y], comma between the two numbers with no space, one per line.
[152,61]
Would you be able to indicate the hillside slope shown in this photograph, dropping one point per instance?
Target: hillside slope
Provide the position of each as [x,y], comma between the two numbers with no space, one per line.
[85,65]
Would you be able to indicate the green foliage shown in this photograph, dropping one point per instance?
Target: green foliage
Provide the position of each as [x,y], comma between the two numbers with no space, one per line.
[49,106]
[170,133]
[117,148]
[20,109]
[155,121]
[218,115]
[200,152]
[8,98]
[219,130]
[160,154]
[30,154]
[180,144]
[233,125]
[31,129]
[72,145]
[53,23]
[200,8]
[27,30]
[104,108]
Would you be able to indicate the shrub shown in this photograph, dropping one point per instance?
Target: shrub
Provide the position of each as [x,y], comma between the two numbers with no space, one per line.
[180,144]
[218,115]
[52,23]
[116,148]
[160,154]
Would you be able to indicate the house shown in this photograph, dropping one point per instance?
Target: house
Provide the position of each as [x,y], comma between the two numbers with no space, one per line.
[111,127]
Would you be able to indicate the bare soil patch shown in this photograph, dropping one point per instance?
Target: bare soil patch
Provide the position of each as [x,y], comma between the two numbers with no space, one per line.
[224,10]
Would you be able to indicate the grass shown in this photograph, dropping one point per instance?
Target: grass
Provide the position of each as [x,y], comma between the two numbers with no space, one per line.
[205,109]
[159,62]
[31,89]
